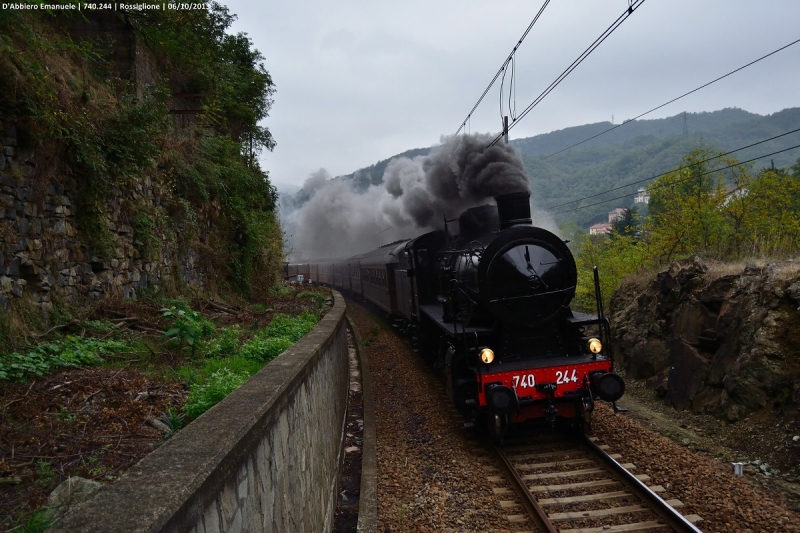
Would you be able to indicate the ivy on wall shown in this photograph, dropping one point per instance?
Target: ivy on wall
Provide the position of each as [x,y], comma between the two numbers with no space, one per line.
[109,135]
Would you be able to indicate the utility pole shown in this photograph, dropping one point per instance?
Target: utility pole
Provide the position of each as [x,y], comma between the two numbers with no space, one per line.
[505,128]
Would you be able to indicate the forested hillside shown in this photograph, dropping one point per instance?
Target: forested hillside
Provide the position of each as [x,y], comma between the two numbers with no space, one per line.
[637,150]
[640,150]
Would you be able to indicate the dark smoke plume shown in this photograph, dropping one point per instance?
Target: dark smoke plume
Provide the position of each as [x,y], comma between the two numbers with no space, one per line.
[416,194]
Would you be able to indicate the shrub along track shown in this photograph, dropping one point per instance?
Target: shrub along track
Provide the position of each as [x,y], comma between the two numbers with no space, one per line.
[433,476]
[97,422]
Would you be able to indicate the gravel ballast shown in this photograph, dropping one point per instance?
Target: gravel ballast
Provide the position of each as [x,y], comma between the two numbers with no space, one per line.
[430,475]
[435,476]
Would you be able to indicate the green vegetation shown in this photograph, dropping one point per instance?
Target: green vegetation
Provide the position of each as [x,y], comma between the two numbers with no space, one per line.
[44,473]
[225,343]
[710,207]
[205,395]
[71,352]
[37,522]
[114,133]
[317,298]
[230,363]
[638,151]
[174,421]
[187,326]
[97,327]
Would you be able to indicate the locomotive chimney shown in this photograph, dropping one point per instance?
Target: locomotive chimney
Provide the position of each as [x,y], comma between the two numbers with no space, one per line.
[513,208]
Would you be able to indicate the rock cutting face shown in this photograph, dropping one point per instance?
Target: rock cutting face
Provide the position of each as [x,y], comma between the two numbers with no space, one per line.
[711,337]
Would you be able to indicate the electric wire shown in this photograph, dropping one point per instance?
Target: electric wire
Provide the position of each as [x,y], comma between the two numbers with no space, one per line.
[512,89]
[671,101]
[633,6]
[512,110]
[680,180]
[637,182]
[503,67]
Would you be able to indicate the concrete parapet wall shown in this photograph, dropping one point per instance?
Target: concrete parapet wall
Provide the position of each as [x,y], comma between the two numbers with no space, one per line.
[264,459]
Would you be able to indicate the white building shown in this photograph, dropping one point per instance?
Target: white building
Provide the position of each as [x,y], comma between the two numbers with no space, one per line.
[601,228]
[616,214]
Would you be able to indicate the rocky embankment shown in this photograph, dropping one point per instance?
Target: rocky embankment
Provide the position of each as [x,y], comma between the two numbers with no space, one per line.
[715,338]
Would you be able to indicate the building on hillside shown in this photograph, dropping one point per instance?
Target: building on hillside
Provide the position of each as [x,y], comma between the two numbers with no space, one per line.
[599,229]
[642,196]
[734,192]
[616,214]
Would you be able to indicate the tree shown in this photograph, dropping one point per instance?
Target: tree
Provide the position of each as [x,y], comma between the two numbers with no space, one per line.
[795,169]
[773,225]
[626,224]
[686,206]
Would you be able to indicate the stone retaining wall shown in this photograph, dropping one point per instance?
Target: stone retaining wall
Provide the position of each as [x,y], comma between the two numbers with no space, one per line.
[264,459]
[43,250]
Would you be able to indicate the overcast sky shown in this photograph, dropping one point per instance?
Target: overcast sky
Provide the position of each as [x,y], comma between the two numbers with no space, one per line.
[359,81]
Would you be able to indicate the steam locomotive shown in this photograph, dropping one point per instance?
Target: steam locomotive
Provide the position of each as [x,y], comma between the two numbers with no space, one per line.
[490,306]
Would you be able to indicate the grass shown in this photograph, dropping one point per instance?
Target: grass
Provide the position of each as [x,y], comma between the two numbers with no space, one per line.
[72,351]
[37,522]
[206,394]
[221,360]
[230,362]
[174,421]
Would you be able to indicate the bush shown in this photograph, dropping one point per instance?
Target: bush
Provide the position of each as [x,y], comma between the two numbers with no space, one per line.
[219,375]
[204,396]
[71,352]
[291,328]
[266,349]
[226,343]
[188,326]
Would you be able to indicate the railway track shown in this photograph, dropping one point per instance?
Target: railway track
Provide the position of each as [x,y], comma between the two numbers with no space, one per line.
[575,486]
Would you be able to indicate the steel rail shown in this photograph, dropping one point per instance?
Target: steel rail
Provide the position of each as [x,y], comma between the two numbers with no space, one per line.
[673,518]
[528,501]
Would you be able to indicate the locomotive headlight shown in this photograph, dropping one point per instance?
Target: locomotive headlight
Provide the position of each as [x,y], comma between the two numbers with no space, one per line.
[594,345]
[487,355]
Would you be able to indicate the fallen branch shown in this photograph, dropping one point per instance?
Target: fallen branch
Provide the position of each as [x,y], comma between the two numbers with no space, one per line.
[13,480]
[220,307]
[159,425]
[115,313]
[145,328]
[46,333]
[9,403]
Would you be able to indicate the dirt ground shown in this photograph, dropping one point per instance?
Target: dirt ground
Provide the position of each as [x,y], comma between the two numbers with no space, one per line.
[763,441]
[97,422]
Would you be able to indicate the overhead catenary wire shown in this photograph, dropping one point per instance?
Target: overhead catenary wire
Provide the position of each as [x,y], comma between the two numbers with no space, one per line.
[680,180]
[633,6]
[512,91]
[671,101]
[503,67]
[637,182]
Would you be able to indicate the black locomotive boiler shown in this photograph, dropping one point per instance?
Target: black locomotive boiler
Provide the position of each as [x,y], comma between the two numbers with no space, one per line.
[490,305]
